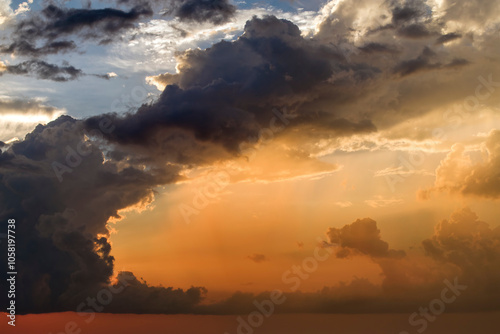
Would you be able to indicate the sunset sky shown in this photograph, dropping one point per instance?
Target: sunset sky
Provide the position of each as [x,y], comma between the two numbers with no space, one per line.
[344,152]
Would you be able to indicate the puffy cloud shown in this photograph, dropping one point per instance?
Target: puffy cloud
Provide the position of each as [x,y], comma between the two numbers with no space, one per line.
[65,222]
[361,237]
[458,173]
[227,93]
[463,250]
[474,247]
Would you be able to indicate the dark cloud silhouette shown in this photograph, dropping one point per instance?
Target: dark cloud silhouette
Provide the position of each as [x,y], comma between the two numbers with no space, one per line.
[226,94]
[361,237]
[426,62]
[25,48]
[214,11]
[410,12]
[447,38]
[379,48]
[414,31]
[64,251]
[46,71]
[43,70]
[131,295]
[55,22]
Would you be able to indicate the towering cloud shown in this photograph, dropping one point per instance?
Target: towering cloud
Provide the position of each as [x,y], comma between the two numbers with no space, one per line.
[363,237]
[457,173]
[62,193]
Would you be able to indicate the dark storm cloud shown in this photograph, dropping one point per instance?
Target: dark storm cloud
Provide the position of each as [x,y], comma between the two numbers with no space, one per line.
[414,31]
[226,94]
[64,251]
[379,48]
[214,11]
[62,21]
[55,22]
[131,295]
[426,62]
[43,70]
[407,13]
[447,38]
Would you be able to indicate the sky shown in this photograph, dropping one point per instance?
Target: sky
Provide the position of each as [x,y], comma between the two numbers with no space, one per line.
[205,153]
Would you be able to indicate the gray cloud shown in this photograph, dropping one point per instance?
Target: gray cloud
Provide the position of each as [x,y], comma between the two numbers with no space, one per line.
[25,106]
[448,38]
[46,71]
[214,11]
[55,22]
[43,70]
[65,222]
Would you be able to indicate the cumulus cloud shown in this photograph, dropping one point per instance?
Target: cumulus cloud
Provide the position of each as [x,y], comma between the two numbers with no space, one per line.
[361,237]
[458,173]
[463,250]
[474,247]
[73,251]
[227,93]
